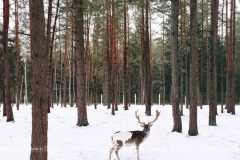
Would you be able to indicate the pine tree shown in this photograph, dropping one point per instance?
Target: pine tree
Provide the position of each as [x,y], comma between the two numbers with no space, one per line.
[39,82]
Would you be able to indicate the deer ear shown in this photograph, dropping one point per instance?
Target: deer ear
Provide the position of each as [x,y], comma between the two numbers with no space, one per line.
[142,125]
[150,125]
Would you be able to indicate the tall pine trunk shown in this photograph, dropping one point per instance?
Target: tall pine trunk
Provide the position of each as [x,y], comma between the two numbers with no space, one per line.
[177,122]
[148,85]
[114,60]
[65,60]
[212,59]
[50,74]
[193,129]
[39,82]
[163,66]
[6,72]
[186,54]
[125,80]
[18,53]
[80,58]
[143,64]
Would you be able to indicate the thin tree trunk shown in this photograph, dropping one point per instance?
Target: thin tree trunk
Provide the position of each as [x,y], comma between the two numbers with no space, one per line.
[193,129]
[60,63]
[226,41]
[18,53]
[148,88]
[233,61]
[91,74]
[125,80]
[128,65]
[21,90]
[177,122]
[222,60]
[181,55]
[143,65]
[114,60]
[6,72]
[163,65]
[81,76]
[72,61]
[25,80]
[186,54]
[208,62]
[212,58]
[107,59]
[97,61]
[201,77]
[65,60]
[231,82]
[51,51]
[48,48]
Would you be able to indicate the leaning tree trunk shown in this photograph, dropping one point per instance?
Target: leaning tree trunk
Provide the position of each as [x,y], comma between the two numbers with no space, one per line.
[193,130]
[6,73]
[39,82]
[81,81]
[177,122]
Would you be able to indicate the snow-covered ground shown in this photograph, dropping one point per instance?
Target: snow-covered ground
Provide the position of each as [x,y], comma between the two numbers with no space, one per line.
[66,141]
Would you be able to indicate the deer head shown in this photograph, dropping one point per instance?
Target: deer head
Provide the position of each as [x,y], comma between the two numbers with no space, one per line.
[146,127]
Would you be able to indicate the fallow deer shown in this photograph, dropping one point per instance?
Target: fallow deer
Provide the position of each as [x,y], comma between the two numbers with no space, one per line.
[128,138]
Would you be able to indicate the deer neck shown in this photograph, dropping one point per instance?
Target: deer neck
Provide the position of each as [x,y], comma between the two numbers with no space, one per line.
[146,134]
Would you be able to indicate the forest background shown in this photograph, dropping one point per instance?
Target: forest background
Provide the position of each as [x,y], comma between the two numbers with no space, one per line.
[95,47]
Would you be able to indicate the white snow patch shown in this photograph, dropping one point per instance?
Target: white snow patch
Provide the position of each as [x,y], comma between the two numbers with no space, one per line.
[66,141]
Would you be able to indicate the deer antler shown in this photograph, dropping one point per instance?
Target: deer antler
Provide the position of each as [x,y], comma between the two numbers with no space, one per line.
[157,115]
[137,116]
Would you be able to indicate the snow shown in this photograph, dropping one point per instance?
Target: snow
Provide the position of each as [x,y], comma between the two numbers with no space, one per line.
[66,141]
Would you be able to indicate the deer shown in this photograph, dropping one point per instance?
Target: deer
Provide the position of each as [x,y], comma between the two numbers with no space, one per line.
[131,138]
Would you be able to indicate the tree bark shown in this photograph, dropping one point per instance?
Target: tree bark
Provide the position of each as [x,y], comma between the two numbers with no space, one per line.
[143,64]
[81,76]
[18,53]
[107,68]
[222,47]
[125,80]
[72,62]
[212,58]
[177,122]
[6,72]
[65,60]
[148,85]
[231,81]
[227,59]
[201,77]
[186,54]
[114,60]
[39,82]
[50,76]
[163,65]
[193,129]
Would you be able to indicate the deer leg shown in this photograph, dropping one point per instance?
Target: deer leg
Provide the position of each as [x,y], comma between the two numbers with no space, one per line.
[111,150]
[137,147]
[116,151]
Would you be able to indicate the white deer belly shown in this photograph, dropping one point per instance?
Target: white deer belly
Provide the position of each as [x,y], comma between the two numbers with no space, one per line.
[121,136]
